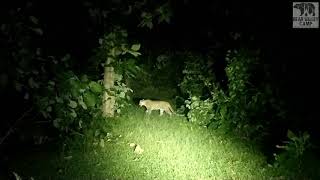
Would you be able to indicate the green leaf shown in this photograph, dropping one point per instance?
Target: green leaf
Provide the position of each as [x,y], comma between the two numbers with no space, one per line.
[84,78]
[52,83]
[113,52]
[118,51]
[124,49]
[306,136]
[100,41]
[66,57]
[95,87]
[135,47]
[72,104]
[134,53]
[56,123]
[122,95]
[32,83]
[33,19]
[110,60]
[75,88]
[49,109]
[149,25]
[18,86]
[80,124]
[101,143]
[37,30]
[96,133]
[82,104]
[290,134]
[59,100]
[73,113]
[17,177]
[90,99]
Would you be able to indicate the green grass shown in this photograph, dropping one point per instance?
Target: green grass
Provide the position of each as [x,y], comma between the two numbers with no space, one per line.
[173,149]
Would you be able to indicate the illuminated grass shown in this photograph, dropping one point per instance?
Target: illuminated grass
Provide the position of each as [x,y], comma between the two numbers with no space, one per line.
[173,149]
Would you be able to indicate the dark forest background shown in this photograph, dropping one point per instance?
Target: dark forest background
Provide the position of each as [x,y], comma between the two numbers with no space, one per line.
[204,27]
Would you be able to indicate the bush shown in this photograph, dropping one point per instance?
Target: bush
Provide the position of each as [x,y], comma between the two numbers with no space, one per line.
[200,111]
[295,160]
[243,108]
[196,77]
[70,101]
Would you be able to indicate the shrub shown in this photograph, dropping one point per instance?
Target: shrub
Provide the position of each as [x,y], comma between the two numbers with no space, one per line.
[70,101]
[196,77]
[200,111]
[294,159]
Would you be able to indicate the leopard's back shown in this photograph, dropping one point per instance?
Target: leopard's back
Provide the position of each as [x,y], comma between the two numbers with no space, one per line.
[157,105]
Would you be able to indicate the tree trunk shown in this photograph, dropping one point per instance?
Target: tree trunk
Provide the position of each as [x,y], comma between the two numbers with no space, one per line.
[108,105]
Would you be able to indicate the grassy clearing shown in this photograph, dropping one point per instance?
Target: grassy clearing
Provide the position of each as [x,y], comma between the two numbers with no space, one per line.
[172,149]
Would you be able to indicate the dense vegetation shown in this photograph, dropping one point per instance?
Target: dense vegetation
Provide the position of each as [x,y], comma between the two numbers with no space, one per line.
[241,112]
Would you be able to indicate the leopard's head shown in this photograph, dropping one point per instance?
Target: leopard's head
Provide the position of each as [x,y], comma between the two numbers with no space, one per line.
[141,102]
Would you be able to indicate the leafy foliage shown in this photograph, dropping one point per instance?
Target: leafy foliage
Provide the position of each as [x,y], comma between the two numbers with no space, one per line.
[196,77]
[122,93]
[70,101]
[250,99]
[243,98]
[294,156]
[162,12]
[78,100]
[25,62]
[242,108]
[115,51]
[200,111]
[114,47]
